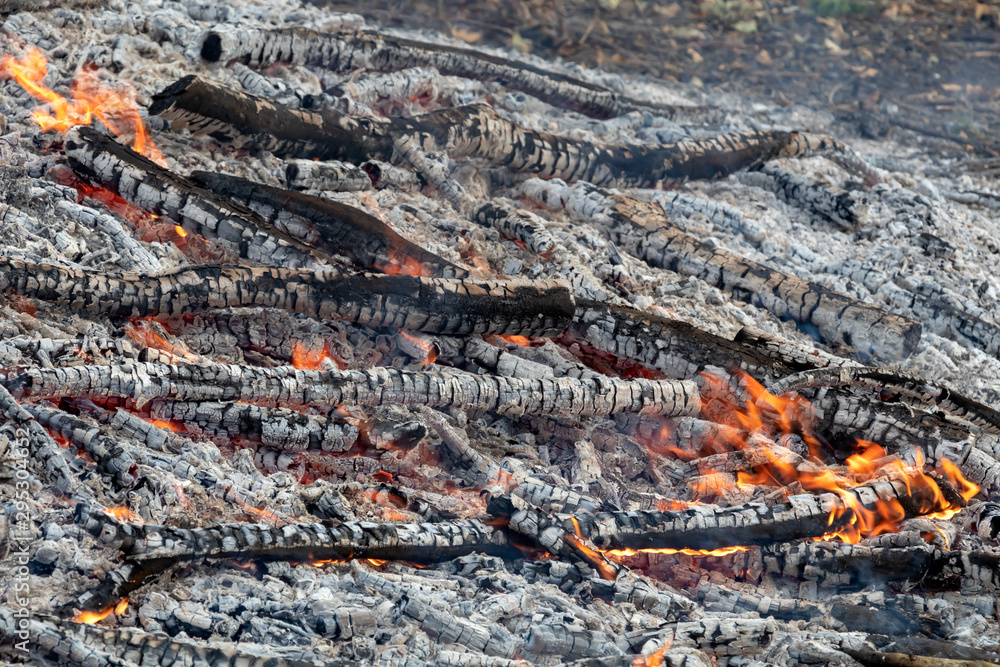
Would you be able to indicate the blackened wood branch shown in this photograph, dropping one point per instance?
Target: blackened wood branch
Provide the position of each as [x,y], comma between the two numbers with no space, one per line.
[897,382]
[372,51]
[149,186]
[476,131]
[332,227]
[433,305]
[379,386]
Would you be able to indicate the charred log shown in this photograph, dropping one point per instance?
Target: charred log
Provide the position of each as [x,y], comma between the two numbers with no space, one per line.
[383,386]
[334,228]
[434,305]
[149,186]
[250,122]
[373,51]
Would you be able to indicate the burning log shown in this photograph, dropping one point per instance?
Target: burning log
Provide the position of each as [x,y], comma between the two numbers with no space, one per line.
[373,51]
[433,305]
[707,527]
[335,228]
[282,429]
[382,386]
[844,209]
[896,382]
[247,121]
[149,186]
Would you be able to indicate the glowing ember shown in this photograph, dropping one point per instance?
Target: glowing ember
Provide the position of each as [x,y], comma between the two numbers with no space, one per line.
[141,331]
[124,514]
[427,347]
[593,556]
[181,232]
[169,425]
[115,106]
[724,551]
[311,359]
[522,341]
[401,263]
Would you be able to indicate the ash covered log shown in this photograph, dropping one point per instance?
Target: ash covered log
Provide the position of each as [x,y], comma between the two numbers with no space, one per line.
[840,320]
[40,446]
[433,305]
[282,429]
[423,542]
[329,176]
[707,527]
[517,224]
[111,457]
[81,644]
[896,382]
[335,227]
[681,349]
[373,51]
[250,122]
[845,209]
[642,230]
[149,186]
[380,386]
[847,567]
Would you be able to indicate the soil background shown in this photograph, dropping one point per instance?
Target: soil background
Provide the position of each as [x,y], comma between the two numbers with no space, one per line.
[926,67]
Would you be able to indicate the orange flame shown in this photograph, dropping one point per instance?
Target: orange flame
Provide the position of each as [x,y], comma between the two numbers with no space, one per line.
[593,556]
[169,425]
[124,514]
[656,659]
[425,346]
[121,607]
[765,418]
[91,617]
[114,106]
[181,232]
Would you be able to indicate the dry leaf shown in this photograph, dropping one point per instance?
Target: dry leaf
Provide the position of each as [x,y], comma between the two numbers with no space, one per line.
[467,36]
[668,12]
[695,56]
[764,58]
[834,48]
